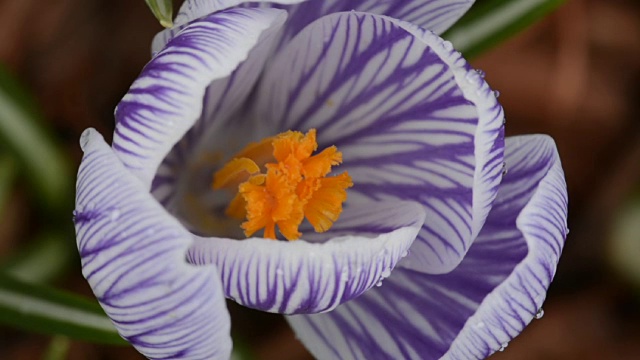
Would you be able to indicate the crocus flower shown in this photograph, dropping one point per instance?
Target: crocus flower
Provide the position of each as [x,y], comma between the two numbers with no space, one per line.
[438,252]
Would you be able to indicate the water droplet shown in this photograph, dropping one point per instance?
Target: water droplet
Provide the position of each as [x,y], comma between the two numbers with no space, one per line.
[473,77]
[540,314]
[379,283]
[115,214]
[385,273]
[503,346]
[504,168]
[279,272]
[504,121]
[496,93]
[405,253]
[481,73]
[447,45]
[480,325]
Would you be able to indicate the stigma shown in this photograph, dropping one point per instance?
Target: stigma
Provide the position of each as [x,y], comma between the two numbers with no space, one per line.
[279,182]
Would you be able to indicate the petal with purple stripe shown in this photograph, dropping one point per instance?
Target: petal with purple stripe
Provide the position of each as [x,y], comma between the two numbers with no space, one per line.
[412,119]
[487,300]
[186,171]
[133,256]
[309,277]
[194,9]
[167,98]
[435,15]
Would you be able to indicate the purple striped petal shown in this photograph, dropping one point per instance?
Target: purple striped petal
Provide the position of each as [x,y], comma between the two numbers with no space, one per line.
[413,120]
[487,300]
[133,256]
[308,277]
[194,9]
[186,171]
[435,15]
[166,99]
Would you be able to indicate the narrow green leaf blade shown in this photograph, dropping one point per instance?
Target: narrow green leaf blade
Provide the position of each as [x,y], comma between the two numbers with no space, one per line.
[162,10]
[43,260]
[41,309]
[24,136]
[58,349]
[492,21]
[7,177]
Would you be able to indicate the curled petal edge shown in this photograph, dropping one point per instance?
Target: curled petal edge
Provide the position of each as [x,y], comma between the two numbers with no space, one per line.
[304,277]
[497,320]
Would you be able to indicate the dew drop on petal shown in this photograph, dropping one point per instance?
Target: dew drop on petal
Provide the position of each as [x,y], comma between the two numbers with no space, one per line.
[447,45]
[503,346]
[473,77]
[115,215]
[405,253]
[504,168]
[279,272]
[480,73]
[379,283]
[496,93]
[540,314]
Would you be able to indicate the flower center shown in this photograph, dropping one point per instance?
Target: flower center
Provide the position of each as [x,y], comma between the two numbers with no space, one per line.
[293,187]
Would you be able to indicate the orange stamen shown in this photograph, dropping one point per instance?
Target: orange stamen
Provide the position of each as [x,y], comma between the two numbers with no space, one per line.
[236,171]
[294,187]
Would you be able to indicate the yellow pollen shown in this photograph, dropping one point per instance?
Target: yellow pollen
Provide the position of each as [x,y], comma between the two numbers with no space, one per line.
[293,186]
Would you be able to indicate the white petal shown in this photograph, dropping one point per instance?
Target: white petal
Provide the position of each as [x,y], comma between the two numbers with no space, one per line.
[412,119]
[133,256]
[488,299]
[166,99]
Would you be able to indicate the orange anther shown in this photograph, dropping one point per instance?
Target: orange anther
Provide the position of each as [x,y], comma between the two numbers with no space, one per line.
[292,188]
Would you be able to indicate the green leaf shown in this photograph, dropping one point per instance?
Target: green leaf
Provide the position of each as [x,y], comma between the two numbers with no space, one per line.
[492,21]
[42,309]
[624,243]
[162,10]
[43,260]
[58,349]
[7,177]
[23,134]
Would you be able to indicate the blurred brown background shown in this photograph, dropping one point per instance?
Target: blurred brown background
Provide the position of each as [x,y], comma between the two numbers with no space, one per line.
[575,75]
